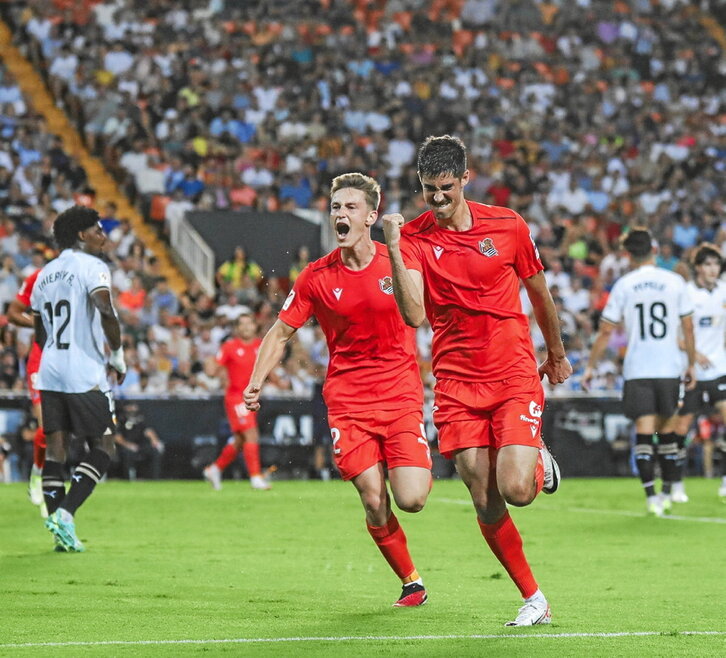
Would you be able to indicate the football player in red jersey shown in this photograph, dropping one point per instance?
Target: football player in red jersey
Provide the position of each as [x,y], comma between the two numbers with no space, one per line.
[460,264]
[236,358]
[18,314]
[372,388]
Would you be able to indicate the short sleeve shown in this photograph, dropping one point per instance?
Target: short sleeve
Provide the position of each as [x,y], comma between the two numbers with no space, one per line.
[613,311]
[97,276]
[26,289]
[221,357]
[298,306]
[526,259]
[411,253]
[685,302]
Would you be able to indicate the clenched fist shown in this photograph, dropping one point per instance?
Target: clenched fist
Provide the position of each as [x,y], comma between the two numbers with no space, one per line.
[392,228]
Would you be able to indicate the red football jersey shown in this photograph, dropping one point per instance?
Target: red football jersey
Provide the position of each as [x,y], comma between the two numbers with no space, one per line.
[471,292]
[238,358]
[372,352]
[26,289]
[23,296]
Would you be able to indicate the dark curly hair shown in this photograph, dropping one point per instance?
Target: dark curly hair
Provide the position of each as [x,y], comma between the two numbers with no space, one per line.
[68,224]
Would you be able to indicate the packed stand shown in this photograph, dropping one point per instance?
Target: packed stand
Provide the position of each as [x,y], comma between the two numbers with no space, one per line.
[585,116]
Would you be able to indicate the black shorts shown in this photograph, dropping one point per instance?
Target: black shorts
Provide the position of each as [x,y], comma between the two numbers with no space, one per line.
[645,397]
[705,393]
[87,415]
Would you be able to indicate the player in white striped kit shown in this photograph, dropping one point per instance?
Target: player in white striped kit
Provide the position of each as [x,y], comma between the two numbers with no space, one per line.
[73,314]
[653,305]
[709,299]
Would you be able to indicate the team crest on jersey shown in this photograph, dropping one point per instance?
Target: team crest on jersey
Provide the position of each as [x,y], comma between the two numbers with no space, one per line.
[486,246]
[386,285]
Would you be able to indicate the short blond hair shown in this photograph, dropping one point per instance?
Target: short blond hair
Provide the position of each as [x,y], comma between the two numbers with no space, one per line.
[370,188]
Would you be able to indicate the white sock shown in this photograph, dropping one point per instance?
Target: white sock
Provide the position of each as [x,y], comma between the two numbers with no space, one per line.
[537,596]
[65,515]
[418,581]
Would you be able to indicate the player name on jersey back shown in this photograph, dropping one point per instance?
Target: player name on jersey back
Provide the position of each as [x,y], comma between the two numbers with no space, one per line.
[650,301]
[73,358]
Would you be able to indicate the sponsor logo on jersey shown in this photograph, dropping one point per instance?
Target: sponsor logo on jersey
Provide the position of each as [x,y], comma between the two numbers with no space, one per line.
[535,409]
[527,419]
[288,301]
[337,292]
[240,351]
[386,285]
[486,246]
[438,251]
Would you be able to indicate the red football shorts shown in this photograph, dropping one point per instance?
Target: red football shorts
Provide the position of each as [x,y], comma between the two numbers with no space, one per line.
[240,418]
[31,369]
[494,414]
[396,438]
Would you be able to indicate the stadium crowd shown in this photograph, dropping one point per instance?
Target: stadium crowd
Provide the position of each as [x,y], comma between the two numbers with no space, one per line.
[585,116]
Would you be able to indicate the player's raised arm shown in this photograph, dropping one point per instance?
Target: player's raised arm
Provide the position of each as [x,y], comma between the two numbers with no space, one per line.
[268,356]
[407,284]
[556,367]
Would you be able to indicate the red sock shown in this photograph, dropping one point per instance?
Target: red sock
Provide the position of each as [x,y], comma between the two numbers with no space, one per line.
[39,448]
[227,456]
[506,543]
[539,474]
[391,541]
[251,453]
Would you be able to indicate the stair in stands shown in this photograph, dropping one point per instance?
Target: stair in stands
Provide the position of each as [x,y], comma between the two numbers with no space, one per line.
[36,92]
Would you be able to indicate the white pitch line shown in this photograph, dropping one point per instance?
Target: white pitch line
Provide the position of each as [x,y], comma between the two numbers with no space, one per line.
[611,512]
[361,638]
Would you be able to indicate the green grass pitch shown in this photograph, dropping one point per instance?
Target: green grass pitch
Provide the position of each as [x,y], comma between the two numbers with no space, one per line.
[175,561]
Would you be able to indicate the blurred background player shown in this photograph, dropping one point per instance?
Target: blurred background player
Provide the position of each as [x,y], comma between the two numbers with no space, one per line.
[73,312]
[18,314]
[236,358]
[708,295]
[460,263]
[373,388]
[653,304]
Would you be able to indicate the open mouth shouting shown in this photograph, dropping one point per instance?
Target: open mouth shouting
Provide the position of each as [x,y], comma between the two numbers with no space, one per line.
[342,228]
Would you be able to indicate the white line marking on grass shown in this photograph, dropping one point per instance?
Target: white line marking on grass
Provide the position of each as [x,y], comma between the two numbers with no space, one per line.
[359,638]
[612,512]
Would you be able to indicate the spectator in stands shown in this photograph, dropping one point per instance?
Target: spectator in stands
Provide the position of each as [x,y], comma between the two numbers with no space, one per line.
[237,268]
[301,259]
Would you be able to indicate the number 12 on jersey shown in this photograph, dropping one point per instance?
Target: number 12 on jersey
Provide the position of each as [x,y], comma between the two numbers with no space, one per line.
[62,311]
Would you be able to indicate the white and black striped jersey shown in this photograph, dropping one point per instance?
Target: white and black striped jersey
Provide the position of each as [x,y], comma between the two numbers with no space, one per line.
[650,301]
[709,322]
[73,358]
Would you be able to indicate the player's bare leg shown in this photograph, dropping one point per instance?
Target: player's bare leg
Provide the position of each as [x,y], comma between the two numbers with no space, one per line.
[35,485]
[251,451]
[479,469]
[410,486]
[386,532]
